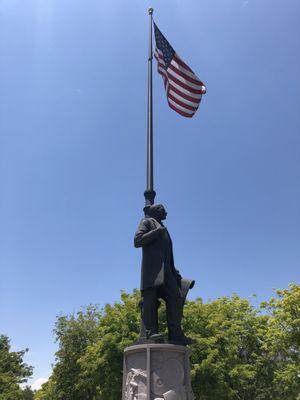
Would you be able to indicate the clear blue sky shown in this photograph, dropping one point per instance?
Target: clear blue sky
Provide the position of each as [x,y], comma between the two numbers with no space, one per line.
[73,78]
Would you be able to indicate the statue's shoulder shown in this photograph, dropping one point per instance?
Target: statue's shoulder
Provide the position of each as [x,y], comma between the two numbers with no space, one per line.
[152,223]
[145,221]
[148,221]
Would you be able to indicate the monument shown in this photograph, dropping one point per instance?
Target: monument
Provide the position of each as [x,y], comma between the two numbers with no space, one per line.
[155,367]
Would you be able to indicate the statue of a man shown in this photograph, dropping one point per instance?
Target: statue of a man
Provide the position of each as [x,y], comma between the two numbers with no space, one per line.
[160,278]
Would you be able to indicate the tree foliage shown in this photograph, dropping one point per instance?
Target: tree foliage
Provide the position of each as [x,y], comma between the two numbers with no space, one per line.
[241,353]
[74,335]
[283,342]
[13,371]
[28,394]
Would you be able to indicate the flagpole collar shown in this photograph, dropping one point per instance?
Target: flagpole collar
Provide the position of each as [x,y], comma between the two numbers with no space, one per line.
[150,11]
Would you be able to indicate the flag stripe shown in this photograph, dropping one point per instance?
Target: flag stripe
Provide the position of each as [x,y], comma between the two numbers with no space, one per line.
[178,76]
[186,92]
[179,93]
[182,69]
[189,77]
[188,74]
[179,72]
[180,103]
[182,63]
[184,109]
[180,98]
[179,111]
[182,84]
[162,71]
[195,99]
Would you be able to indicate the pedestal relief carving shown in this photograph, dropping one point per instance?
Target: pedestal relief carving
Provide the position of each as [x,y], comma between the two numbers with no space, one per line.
[136,383]
[156,372]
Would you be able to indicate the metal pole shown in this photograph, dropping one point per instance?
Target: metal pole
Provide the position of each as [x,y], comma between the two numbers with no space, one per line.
[150,193]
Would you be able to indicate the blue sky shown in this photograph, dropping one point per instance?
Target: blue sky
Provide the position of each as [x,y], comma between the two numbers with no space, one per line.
[73,80]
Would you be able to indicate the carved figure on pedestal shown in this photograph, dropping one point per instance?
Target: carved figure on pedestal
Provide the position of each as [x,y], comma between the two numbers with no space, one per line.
[135,388]
[163,377]
[160,279]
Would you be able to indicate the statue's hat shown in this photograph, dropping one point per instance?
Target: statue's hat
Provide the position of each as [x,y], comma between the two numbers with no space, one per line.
[186,285]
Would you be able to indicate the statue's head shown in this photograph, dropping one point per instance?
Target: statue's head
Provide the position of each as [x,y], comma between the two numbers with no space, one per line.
[156,211]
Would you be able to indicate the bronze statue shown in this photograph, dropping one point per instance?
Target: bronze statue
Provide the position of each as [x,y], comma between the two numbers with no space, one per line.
[160,279]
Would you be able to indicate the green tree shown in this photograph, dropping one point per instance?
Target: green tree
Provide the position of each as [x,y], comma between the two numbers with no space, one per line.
[282,342]
[227,359]
[13,371]
[74,334]
[48,391]
[241,353]
[101,365]
[28,394]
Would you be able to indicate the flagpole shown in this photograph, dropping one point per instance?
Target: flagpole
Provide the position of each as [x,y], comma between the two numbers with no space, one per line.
[150,193]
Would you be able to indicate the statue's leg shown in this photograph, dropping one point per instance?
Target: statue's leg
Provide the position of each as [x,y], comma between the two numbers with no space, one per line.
[174,307]
[143,334]
[149,312]
[142,325]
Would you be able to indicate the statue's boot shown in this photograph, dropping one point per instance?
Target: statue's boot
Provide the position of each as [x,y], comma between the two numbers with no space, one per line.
[181,340]
[157,338]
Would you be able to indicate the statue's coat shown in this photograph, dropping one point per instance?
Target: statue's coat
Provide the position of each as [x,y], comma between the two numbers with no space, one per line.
[157,253]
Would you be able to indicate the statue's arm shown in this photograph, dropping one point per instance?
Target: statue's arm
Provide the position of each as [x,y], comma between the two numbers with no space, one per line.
[145,234]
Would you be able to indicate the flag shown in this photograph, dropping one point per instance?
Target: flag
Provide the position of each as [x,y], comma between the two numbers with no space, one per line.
[184,89]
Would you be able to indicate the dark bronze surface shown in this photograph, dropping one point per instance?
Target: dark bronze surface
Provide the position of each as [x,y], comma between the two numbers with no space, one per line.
[159,278]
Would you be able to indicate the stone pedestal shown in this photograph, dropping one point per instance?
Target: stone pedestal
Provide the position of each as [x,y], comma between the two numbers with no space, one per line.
[156,372]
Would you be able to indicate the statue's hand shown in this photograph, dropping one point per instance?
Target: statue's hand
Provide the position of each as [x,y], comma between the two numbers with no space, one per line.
[178,273]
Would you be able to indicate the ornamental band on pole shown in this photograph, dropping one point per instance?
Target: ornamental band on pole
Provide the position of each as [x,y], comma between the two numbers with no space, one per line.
[184,89]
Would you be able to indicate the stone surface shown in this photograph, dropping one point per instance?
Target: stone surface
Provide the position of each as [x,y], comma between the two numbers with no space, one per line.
[156,372]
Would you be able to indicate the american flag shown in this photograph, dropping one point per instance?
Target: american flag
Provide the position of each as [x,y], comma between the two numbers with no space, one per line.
[184,89]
